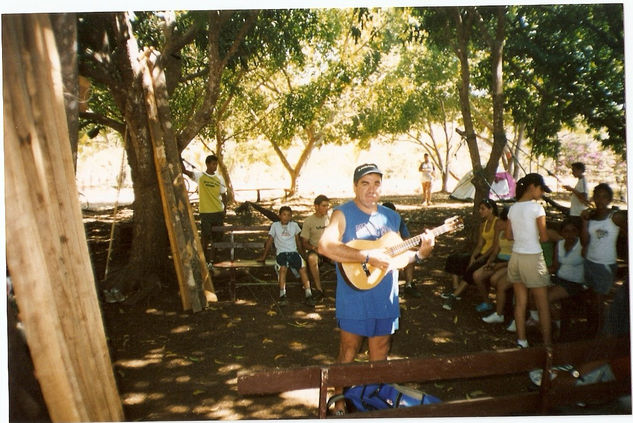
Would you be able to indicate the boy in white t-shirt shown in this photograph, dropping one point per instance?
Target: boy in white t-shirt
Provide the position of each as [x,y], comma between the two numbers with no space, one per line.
[285,235]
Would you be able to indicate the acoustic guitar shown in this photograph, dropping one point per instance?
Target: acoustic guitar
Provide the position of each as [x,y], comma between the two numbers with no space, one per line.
[364,276]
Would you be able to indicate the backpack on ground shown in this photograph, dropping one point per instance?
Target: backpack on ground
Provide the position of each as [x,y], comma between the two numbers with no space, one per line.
[382,396]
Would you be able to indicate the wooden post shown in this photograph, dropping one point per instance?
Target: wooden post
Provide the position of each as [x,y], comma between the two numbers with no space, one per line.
[196,287]
[47,252]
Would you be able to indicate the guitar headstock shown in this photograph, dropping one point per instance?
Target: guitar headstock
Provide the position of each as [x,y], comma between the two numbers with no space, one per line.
[454,223]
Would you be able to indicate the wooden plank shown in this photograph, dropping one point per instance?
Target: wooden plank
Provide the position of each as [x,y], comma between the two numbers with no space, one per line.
[596,392]
[468,366]
[239,244]
[48,256]
[192,273]
[278,380]
[591,350]
[474,365]
[241,229]
[487,363]
[241,264]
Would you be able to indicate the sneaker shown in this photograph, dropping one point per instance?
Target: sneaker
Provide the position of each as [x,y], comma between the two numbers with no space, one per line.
[410,291]
[309,301]
[446,295]
[118,295]
[512,327]
[522,343]
[108,297]
[493,318]
[449,303]
[113,296]
[283,300]
[483,307]
[317,295]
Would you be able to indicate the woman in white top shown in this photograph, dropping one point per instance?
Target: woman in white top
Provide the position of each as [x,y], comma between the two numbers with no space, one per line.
[600,230]
[426,170]
[527,268]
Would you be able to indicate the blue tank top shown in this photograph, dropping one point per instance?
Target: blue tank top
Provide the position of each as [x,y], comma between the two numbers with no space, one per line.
[380,302]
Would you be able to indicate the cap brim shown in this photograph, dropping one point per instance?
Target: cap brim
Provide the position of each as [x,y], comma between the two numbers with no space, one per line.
[367,173]
[546,189]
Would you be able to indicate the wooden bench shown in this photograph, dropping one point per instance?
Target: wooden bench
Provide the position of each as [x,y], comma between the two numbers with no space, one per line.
[241,238]
[552,393]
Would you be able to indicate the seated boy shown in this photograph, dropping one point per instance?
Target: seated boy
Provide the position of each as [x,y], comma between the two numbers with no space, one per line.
[285,235]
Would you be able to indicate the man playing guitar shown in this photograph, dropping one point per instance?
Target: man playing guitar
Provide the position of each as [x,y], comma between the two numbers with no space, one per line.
[371,313]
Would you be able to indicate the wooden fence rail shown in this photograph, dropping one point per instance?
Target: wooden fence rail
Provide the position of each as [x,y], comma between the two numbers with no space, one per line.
[455,367]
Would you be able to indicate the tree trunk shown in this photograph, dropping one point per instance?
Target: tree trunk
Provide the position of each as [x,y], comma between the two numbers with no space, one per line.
[149,253]
[499,136]
[463,24]
[295,171]
[517,152]
[219,148]
[463,37]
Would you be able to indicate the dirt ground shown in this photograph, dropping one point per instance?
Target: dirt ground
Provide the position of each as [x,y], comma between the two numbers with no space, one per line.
[175,365]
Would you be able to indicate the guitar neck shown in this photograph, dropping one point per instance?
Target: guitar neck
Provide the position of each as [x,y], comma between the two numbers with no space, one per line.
[397,249]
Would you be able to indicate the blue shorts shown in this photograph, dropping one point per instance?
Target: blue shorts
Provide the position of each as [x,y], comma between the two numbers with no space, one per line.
[292,260]
[599,276]
[369,327]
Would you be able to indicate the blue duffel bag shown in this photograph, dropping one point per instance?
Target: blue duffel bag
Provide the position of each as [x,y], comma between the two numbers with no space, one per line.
[382,396]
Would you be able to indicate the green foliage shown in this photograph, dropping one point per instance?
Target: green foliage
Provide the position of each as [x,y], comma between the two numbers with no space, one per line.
[420,89]
[567,62]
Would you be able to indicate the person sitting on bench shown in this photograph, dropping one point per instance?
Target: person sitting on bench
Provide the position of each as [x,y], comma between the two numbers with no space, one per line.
[568,266]
[311,232]
[285,235]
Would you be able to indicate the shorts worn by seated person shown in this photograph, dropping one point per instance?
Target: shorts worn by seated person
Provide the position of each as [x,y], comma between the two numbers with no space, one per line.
[291,260]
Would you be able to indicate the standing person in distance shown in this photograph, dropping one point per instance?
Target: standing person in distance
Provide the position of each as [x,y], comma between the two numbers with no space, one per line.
[311,233]
[527,269]
[212,208]
[579,193]
[371,313]
[426,171]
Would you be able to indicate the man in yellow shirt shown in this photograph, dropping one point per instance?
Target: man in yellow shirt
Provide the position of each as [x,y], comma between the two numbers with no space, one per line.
[212,193]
